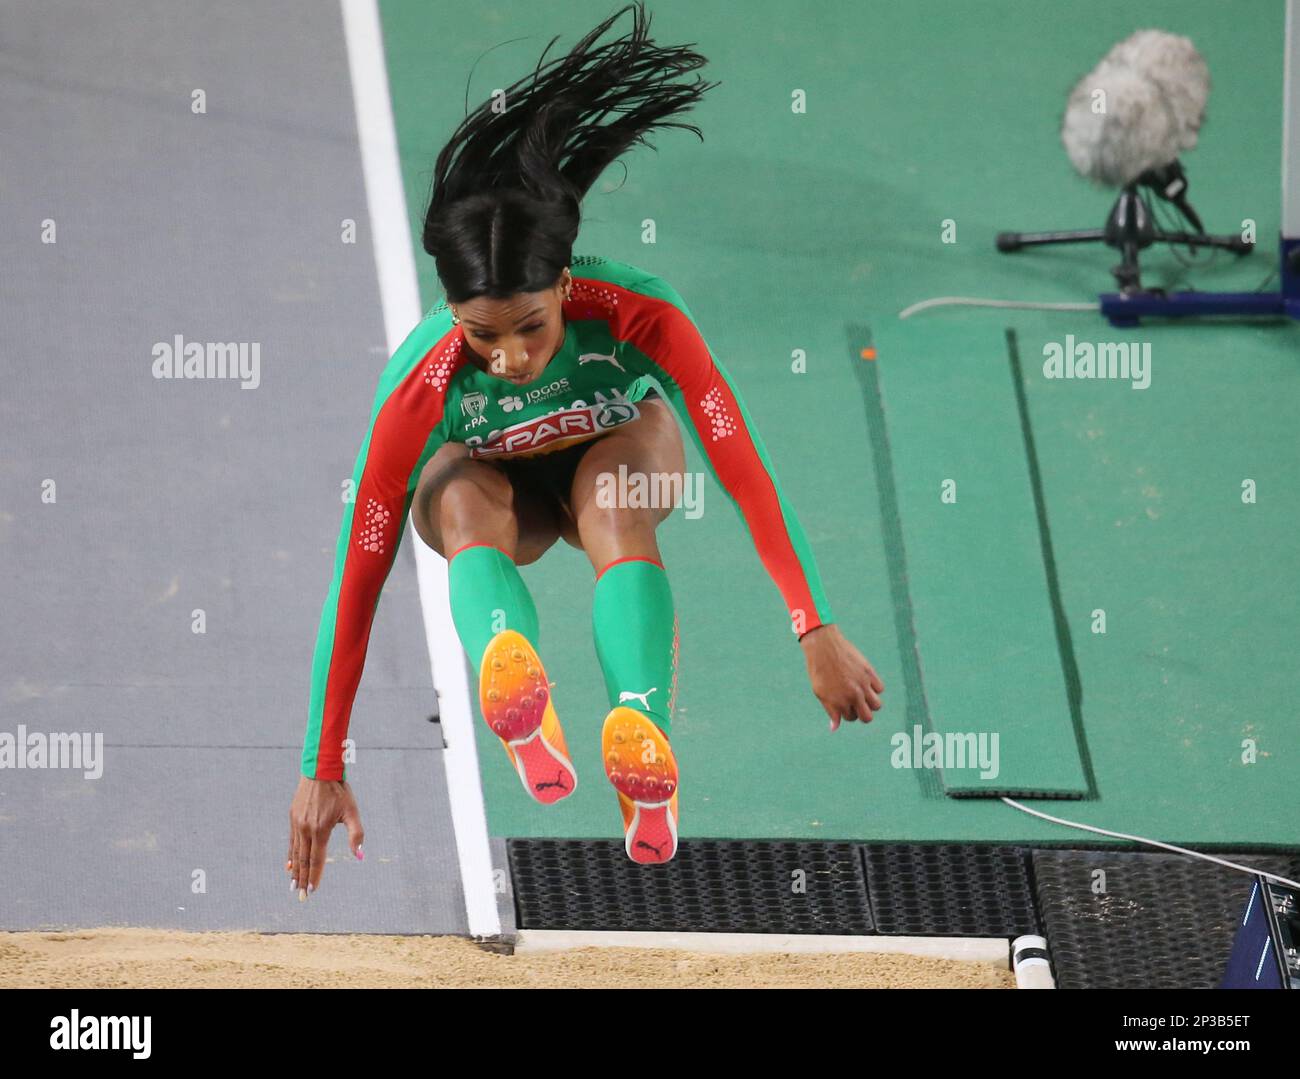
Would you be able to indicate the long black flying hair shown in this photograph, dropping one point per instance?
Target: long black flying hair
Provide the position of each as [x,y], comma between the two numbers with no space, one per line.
[505,201]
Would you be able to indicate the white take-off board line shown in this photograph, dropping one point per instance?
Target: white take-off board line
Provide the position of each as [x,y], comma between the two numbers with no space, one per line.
[399,294]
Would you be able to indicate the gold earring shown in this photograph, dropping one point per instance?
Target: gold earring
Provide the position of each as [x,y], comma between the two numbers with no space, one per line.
[455,319]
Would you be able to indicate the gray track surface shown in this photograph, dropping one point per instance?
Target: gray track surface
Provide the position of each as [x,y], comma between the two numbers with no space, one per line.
[182,495]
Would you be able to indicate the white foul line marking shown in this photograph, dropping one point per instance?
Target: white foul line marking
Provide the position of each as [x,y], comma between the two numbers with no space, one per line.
[400,295]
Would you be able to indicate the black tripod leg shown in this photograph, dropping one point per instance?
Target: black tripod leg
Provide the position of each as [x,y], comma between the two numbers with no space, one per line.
[1014,241]
[1127,273]
[1193,239]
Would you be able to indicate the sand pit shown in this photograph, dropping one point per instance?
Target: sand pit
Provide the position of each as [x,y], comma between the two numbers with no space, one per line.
[148,958]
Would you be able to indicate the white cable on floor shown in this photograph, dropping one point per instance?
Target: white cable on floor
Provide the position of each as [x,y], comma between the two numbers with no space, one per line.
[1155,843]
[970,301]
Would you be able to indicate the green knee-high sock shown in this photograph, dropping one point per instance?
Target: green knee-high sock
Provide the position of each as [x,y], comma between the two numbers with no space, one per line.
[635,630]
[487,595]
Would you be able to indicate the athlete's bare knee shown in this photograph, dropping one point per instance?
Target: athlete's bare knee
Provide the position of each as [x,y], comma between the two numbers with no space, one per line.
[473,507]
[608,534]
[620,520]
[626,500]
[453,496]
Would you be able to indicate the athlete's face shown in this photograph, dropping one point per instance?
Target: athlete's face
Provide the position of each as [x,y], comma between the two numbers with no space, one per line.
[515,337]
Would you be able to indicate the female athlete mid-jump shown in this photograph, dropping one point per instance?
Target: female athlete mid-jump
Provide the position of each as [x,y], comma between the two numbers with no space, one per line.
[501,419]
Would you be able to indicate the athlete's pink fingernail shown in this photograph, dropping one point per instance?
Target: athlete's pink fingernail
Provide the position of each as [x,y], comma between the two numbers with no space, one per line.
[360,855]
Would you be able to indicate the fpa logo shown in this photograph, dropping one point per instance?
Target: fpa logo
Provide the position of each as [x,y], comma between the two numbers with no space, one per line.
[472,405]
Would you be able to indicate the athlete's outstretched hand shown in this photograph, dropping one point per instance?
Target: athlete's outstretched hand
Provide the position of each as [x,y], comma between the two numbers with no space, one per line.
[318,805]
[842,678]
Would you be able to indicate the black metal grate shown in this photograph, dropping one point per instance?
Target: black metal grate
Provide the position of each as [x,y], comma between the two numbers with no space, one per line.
[1164,921]
[950,889]
[714,886]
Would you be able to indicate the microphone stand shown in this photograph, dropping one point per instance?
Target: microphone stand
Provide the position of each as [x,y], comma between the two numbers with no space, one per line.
[1131,228]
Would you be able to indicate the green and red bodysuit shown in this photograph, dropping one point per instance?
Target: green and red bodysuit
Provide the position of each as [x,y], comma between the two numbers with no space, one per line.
[625,331]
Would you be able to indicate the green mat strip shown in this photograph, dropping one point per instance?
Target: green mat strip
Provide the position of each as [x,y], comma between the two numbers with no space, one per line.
[915,713]
[981,598]
[1064,641]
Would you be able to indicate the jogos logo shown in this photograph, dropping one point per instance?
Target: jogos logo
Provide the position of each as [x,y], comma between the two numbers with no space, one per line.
[513,402]
[580,420]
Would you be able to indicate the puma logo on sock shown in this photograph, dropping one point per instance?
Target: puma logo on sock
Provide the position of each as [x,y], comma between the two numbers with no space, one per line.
[626,695]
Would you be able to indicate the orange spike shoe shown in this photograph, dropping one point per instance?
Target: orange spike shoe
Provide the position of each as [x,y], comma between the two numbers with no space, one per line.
[640,764]
[515,698]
